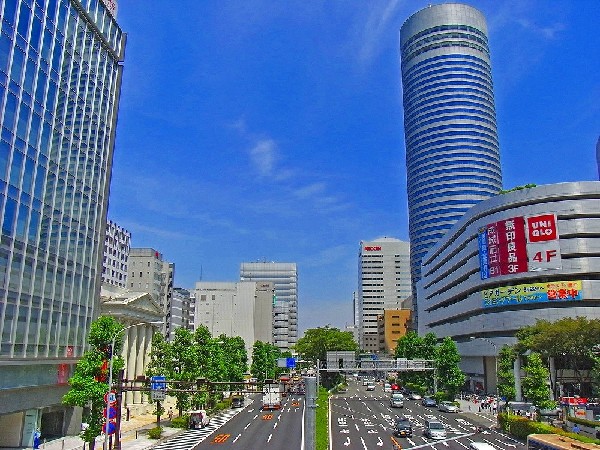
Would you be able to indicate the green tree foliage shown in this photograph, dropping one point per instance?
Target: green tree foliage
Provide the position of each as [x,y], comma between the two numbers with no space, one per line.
[412,346]
[450,377]
[264,361]
[192,356]
[535,383]
[316,342]
[506,376]
[89,383]
[518,188]
[568,340]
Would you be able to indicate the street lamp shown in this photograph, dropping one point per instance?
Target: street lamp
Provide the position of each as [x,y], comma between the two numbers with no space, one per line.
[110,373]
[493,344]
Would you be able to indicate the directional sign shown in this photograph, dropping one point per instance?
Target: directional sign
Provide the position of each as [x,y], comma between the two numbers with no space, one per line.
[158,387]
[110,398]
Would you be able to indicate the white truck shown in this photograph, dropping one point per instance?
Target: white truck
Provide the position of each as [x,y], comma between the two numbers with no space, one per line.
[271,398]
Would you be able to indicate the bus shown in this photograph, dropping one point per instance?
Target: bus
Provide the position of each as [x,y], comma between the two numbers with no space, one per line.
[557,442]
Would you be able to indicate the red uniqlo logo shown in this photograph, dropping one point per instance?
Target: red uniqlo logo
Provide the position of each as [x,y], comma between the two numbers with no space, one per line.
[541,228]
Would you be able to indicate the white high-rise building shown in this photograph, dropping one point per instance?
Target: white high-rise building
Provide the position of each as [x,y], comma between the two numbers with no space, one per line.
[383,283]
[116,255]
[242,309]
[284,277]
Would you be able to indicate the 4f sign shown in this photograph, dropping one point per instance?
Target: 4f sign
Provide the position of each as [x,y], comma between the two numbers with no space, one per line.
[541,228]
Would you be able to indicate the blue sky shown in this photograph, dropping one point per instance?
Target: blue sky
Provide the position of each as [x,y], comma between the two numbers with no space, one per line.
[272,130]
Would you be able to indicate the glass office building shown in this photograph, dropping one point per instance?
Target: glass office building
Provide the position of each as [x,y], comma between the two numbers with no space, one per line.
[452,154]
[60,76]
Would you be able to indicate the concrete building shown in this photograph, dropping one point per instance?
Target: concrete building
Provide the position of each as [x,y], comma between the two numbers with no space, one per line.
[60,80]
[242,309]
[452,155]
[181,311]
[515,258]
[139,312]
[392,325]
[383,283]
[284,277]
[148,272]
[116,254]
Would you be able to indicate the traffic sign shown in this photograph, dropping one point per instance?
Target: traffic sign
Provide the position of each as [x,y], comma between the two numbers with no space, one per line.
[158,387]
[110,413]
[290,363]
[111,426]
[110,398]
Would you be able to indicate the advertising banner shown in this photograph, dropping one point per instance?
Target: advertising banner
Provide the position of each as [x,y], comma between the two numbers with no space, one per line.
[519,244]
[532,293]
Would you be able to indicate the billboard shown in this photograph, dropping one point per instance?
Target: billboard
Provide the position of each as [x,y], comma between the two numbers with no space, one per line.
[519,244]
[521,294]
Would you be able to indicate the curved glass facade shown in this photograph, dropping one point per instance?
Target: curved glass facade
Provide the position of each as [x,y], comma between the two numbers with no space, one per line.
[452,154]
[60,76]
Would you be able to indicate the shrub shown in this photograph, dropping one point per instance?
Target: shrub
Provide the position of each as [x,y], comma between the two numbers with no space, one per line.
[440,396]
[322,423]
[587,423]
[154,433]
[521,427]
[180,422]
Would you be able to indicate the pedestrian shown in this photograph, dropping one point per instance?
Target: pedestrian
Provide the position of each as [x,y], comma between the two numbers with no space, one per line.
[576,429]
[171,413]
[36,439]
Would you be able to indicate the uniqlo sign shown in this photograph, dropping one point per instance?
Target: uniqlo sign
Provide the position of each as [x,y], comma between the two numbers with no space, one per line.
[541,228]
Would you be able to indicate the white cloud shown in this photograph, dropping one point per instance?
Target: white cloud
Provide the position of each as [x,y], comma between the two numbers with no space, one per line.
[263,156]
[310,190]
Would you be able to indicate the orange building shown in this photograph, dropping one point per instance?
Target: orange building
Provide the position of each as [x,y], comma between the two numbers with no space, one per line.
[391,326]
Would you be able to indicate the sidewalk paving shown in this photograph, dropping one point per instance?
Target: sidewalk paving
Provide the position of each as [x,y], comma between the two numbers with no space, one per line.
[133,436]
[482,416]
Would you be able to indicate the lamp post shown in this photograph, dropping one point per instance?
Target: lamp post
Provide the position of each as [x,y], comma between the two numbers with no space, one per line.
[110,372]
[493,344]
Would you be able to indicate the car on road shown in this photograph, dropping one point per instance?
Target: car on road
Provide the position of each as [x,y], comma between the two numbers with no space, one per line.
[448,407]
[237,401]
[414,396]
[434,429]
[387,387]
[481,446]
[371,387]
[428,401]
[366,381]
[397,400]
[402,427]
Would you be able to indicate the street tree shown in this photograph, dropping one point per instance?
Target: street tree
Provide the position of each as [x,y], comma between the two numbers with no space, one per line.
[89,383]
[506,376]
[450,377]
[412,346]
[236,358]
[535,383]
[568,341]
[316,342]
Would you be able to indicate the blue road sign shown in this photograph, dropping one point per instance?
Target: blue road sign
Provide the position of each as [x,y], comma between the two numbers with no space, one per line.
[158,383]
[290,363]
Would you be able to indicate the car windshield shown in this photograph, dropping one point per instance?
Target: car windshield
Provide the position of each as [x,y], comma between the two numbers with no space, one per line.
[436,426]
[403,424]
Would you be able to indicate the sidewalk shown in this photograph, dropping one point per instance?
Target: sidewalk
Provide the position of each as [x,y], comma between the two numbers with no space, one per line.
[482,416]
[133,436]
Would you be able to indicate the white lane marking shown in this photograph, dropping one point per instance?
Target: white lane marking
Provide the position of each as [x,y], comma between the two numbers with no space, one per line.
[363,443]
[269,438]
[237,437]
[347,443]
[379,442]
[356,425]
[275,425]
[246,427]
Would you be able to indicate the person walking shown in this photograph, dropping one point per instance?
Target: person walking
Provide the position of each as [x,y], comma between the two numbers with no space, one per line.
[576,429]
[170,413]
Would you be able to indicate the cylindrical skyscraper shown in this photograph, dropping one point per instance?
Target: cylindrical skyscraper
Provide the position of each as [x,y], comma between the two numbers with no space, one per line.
[452,155]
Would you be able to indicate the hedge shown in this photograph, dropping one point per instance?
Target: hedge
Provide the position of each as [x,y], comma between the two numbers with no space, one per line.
[154,433]
[521,427]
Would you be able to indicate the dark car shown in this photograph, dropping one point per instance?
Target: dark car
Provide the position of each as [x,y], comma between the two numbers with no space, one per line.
[237,402]
[402,428]
[428,401]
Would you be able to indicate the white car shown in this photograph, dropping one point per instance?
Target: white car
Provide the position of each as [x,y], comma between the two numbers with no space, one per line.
[414,396]
[371,387]
[387,387]
[481,446]
[448,407]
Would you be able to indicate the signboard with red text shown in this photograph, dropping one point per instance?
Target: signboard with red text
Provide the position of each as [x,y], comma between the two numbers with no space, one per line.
[519,244]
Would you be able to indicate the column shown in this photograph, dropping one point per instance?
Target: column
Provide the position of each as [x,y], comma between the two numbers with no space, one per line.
[130,367]
[139,369]
[517,374]
[146,353]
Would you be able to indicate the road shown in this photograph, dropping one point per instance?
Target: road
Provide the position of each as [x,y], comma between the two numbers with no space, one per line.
[247,428]
[362,420]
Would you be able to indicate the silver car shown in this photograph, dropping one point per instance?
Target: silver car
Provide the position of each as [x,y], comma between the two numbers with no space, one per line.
[448,407]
